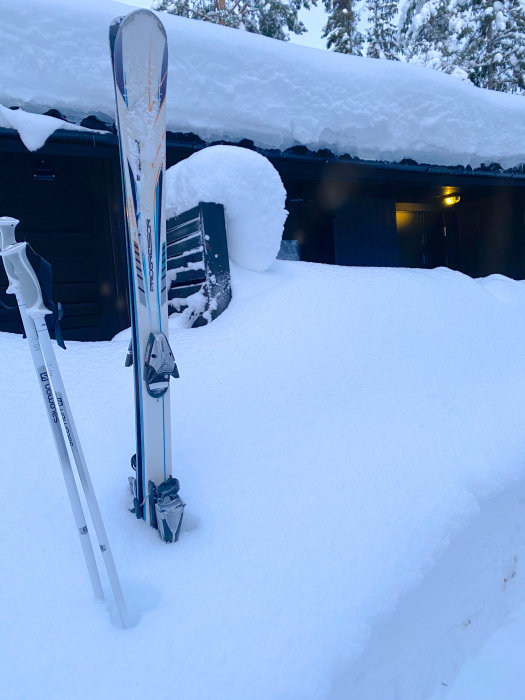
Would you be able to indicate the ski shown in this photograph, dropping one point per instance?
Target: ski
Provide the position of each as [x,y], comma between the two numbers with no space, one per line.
[139,57]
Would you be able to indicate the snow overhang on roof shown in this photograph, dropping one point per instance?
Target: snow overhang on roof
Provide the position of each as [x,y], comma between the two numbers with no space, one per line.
[229,85]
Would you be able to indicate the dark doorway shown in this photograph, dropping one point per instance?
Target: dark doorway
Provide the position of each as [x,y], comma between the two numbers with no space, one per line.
[311,226]
[421,235]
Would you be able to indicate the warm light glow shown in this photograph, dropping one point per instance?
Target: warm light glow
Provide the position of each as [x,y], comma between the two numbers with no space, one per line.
[403,220]
[449,201]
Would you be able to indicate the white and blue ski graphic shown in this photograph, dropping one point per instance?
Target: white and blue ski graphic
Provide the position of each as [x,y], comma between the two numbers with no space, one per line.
[140,63]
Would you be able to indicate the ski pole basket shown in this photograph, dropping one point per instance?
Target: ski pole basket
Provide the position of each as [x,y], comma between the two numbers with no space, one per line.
[198,266]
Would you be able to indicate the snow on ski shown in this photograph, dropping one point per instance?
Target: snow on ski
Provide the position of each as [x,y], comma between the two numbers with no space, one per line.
[140,63]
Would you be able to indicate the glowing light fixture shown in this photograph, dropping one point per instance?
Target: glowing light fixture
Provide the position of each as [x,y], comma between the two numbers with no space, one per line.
[450,201]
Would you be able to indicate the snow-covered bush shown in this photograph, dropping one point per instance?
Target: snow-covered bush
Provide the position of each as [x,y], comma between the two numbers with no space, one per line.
[249,188]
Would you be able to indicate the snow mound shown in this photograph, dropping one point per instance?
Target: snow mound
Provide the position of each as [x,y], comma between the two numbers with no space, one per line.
[249,188]
[505,290]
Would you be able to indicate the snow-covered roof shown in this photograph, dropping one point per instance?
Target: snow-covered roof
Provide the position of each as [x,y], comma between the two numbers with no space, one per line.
[226,84]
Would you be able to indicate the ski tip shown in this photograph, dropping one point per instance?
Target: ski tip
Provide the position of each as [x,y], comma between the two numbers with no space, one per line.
[139,13]
[150,22]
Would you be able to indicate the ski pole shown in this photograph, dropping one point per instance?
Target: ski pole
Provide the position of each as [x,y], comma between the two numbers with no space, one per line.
[7,227]
[24,284]
[80,461]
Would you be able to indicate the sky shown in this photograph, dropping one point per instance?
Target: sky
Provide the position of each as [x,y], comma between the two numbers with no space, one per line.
[314,20]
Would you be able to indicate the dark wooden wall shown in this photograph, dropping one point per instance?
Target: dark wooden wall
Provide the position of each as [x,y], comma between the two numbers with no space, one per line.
[69,202]
[347,216]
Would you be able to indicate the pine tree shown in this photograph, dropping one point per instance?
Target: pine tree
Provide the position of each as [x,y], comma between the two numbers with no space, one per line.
[482,40]
[495,54]
[341,30]
[382,34]
[429,33]
[273,18]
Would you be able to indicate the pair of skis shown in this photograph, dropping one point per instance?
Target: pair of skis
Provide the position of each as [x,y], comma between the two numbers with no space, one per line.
[25,269]
[140,65]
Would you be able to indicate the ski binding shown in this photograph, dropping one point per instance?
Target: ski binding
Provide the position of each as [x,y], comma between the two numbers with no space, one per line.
[166,506]
[159,365]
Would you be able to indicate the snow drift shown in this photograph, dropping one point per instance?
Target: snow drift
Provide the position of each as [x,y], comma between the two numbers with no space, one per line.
[350,445]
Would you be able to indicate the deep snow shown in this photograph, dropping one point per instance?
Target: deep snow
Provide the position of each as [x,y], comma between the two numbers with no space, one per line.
[351,449]
[226,84]
[497,670]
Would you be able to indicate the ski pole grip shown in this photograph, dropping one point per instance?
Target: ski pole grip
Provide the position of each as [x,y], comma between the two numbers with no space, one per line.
[23,281]
[7,231]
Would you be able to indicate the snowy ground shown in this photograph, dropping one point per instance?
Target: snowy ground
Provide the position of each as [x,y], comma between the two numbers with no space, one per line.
[497,670]
[350,445]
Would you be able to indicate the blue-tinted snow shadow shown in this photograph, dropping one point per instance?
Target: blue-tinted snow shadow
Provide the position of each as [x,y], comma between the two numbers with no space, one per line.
[140,597]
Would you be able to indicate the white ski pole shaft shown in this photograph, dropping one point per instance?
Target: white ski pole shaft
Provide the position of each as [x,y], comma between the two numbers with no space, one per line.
[85,480]
[15,262]
[63,455]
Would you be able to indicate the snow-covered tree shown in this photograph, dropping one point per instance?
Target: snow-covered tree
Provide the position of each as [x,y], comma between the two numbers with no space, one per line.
[273,18]
[494,55]
[429,33]
[382,33]
[341,30]
[482,40]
